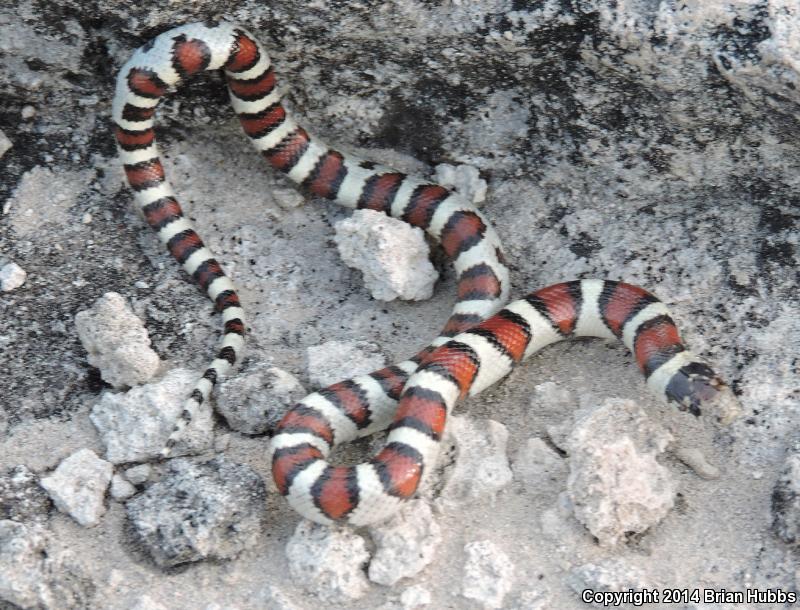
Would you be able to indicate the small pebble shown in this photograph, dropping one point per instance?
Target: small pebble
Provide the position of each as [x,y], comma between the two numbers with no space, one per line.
[121,489]
[138,474]
[11,276]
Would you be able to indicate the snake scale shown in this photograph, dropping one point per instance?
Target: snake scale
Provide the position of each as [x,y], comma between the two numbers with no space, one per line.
[480,343]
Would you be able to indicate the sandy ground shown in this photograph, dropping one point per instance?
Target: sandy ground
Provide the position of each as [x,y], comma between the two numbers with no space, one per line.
[631,140]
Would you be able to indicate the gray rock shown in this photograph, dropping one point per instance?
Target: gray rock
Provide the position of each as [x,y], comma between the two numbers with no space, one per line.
[78,486]
[138,474]
[481,464]
[34,575]
[786,501]
[336,361]
[21,497]
[405,544]
[121,488]
[488,574]
[5,144]
[117,342]
[328,562]
[254,401]
[391,254]
[615,483]
[208,510]
[12,276]
[609,575]
[135,425]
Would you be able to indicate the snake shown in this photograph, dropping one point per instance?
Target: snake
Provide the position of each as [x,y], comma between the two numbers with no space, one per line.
[480,343]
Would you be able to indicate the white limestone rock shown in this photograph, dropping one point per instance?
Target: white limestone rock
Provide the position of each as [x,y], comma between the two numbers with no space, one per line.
[391,254]
[615,483]
[78,486]
[328,562]
[481,464]
[405,544]
[336,361]
[254,401]
[135,425]
[117,342]
[12,276]
[464,179]
[34,575]
[121,488]
[488,574]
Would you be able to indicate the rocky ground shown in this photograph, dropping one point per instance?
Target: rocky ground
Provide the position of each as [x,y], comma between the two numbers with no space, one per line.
[655,142]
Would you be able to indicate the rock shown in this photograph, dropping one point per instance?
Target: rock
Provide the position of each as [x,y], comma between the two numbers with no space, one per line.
[391,254]
[336,361]
[78,486]
[138,474]
[786,501]
[464,179]
[254,401]
[537,464]
[609,575]
[5,144]
[272,598]
[405,544]
[481,465]
[694,459]
[328,561]
[117,342]
[135,425]
[415,597]
[208,510]
[11,276]
[34,575]
[488,574]
[121,488]
[21,497]
[615,482]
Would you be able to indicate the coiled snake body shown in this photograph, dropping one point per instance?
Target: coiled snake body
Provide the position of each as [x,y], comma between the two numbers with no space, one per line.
[473,351]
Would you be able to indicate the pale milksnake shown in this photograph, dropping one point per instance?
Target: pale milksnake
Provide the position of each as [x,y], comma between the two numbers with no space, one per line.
[464,359]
